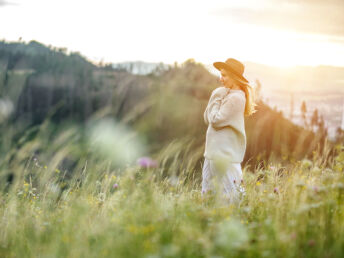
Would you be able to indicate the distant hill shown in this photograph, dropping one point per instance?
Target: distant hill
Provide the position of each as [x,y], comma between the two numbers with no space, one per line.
[163,105]
[321,87]
[140,67]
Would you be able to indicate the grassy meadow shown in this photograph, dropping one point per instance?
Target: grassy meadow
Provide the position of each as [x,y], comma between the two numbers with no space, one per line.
[133,211]
[100,162]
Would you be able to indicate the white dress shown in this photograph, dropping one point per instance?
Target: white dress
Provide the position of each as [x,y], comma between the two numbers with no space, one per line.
[225,144]
[227,180]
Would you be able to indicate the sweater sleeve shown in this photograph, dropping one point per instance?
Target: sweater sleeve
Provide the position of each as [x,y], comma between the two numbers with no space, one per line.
[222,111]
[205,116]
[213,103]
[215,99]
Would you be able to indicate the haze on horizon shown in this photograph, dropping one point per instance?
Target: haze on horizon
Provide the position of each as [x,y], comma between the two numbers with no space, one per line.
[280,33]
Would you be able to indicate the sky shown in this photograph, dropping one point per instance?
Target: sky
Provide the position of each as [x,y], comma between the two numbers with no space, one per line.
[274,32]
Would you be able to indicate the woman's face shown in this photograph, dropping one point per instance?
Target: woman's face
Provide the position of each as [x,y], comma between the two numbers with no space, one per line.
[225,79]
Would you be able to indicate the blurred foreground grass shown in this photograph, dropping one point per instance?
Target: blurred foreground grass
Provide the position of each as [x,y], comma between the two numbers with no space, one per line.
[96,210]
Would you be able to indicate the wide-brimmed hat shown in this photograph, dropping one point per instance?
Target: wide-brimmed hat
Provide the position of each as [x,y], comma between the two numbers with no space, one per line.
[234,67]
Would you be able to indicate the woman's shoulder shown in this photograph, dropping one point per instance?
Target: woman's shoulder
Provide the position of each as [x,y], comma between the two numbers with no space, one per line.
[237,96]
[232,91]
[224,92]
[220,90]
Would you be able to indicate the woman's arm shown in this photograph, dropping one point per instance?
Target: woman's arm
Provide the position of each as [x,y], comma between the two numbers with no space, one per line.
[212,104]
[222,111]
[215,99]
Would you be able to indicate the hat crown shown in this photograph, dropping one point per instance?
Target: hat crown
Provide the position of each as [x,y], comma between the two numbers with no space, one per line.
[233,67]
[236,65]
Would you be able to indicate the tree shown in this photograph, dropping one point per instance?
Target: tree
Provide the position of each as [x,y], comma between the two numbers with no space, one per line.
[315,118]
[339,135]
[291,115]
[321,126]
[258,91]
[303,112]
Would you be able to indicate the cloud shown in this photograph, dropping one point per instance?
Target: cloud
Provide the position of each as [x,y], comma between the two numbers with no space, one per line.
[305,16]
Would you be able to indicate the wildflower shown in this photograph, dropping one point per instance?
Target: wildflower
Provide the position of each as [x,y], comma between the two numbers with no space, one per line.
[276,190]
[147,162]
[311,242]
[232,234]
[173,180]
[114,141]
[258,183]
[306,163]
[115,186]
[114,177]
[293,235]
[57,170]
[45,167]
[339,186]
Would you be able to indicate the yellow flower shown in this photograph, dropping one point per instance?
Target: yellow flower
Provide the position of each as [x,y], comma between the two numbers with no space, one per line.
[57,170]
[258,183]
[147,229]
[114,177]
[45,167]
[147,245]
[132,229]
[65,239]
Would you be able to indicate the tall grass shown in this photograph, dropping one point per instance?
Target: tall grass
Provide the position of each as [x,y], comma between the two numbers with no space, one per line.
[60,199]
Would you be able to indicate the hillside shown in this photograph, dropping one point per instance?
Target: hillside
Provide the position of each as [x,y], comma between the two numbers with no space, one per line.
[164,106]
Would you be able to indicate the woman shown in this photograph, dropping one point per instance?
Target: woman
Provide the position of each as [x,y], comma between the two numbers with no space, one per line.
[226,139]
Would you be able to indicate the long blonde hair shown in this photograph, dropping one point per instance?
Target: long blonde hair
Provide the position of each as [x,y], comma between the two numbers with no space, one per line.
[250,99]
[249,94]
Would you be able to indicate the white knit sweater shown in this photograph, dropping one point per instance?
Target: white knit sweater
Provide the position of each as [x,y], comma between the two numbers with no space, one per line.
[224,115]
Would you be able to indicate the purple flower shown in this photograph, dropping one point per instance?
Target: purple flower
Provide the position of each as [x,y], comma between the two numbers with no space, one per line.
[275,190]
[147,162]
[115,185]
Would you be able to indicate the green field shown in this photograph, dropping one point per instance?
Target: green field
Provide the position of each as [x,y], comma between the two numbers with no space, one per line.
[293,211]
[71,133]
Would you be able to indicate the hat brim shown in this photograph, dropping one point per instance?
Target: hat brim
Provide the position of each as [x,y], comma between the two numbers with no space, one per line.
[238,77]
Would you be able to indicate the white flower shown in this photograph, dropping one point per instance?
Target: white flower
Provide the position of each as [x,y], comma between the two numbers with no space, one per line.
[232,234]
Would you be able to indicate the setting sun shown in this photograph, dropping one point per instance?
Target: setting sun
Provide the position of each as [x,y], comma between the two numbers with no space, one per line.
[176,31]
